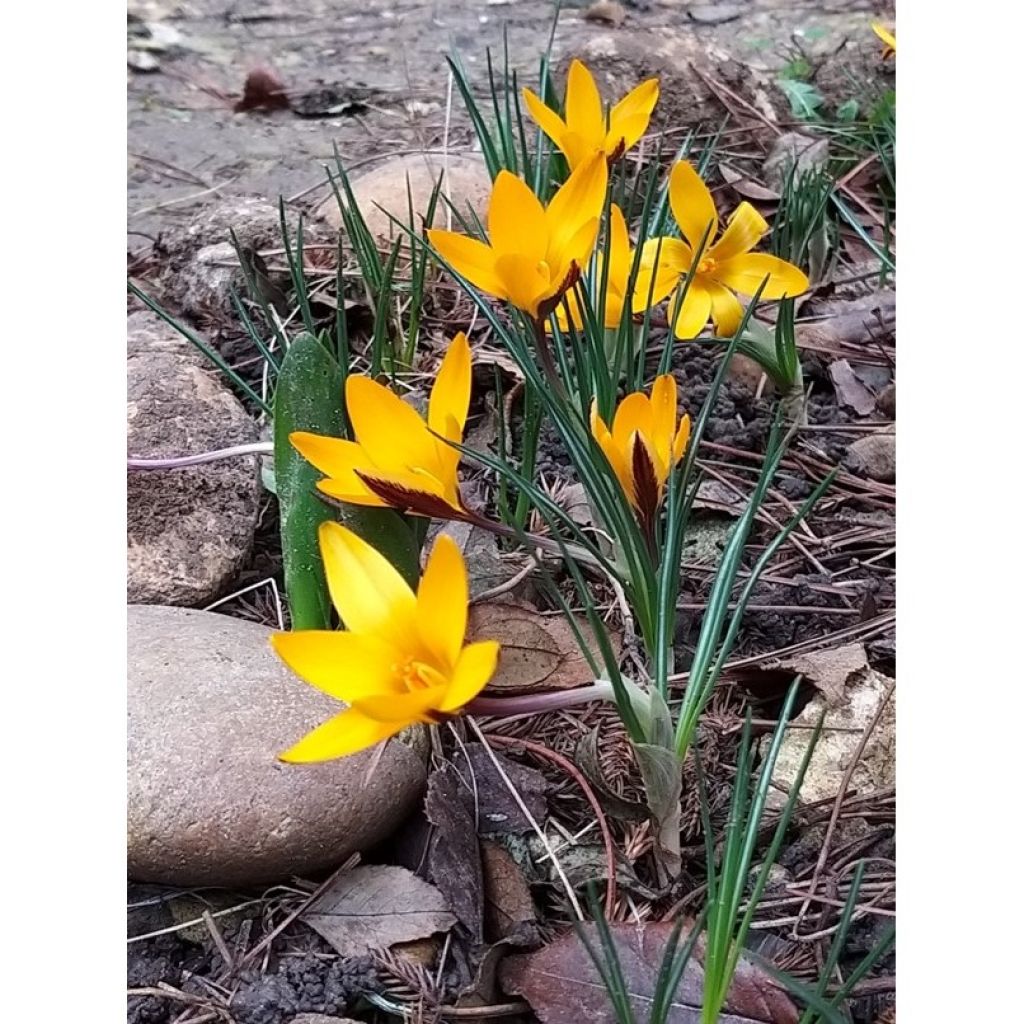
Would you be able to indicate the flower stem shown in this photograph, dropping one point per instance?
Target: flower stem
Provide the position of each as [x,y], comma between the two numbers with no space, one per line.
[181,461]
[537,703]
[547,358]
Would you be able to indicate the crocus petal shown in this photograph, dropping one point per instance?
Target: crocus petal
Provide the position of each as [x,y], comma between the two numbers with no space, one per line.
[631,115]
[633,416]
[404,708]
[745,229]
[578,149]
[726,310]
[744,274]
[351,493]
[550,123]
[473,671]
[347,733]
[442,601]
[449,397]
[336,457]
[682,439]
[692,205]
[469,257]
[692,318]
[578,249]
[515,218]
[886,36]
[346,666]
[391,431]
[654,280]
[583,111]
[663,414]
[526,285]
[579,201]
[370,595]
[619,257]
[616,457]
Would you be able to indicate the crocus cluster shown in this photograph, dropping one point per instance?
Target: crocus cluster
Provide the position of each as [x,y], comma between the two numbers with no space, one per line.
[402,657]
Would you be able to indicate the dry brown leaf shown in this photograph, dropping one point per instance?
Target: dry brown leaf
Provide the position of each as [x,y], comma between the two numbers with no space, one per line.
[562,984]
[538,652]
[376,906]
[850,390]
[509,912]
[748,188]
[828,670]
[263,90]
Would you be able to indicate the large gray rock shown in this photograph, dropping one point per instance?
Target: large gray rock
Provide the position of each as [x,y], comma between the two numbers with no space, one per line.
[466,181]
[210,706]
[149,334]
[190,531]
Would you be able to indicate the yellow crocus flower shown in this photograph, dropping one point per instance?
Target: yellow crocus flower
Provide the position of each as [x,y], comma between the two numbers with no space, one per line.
[585,130]
[724,266]
[401,659]
[887,37]
[620,260]
[535,254]
[644,442]
[395,459]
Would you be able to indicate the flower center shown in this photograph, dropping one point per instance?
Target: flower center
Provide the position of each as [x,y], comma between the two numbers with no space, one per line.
[417,675]
[706,265]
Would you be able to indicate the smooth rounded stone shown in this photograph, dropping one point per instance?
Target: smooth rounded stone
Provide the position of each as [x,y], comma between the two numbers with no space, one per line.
[190,531]
[466,181]
[210,706]
[874,456]
[886,401]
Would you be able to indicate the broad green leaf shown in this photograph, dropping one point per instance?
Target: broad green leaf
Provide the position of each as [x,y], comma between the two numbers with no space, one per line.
[309,397]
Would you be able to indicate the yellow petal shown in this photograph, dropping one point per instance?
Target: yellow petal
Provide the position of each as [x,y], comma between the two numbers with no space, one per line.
[390,431]
[405,708]
[692,205]
[619,257]
[442,601]
[370,595]
[745,229]
[550,123]
[344,734]
[449,397]
[633,416]
[615,456]
[346,666]
[469,257]
[578,149]
[693,317]
[682,439]
[515,218]
[744,274]
[631,115]
[886,36]
[354,494]
[662,262]
[583,111]
[663,414]
[579,201]
[473,671]
[578,250]
[726,310]
[525,284]
[336,457]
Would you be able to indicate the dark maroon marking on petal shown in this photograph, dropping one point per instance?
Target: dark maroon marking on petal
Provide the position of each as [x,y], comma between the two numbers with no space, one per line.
[617,153]
[645,486]
[404,499]
[548,306]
